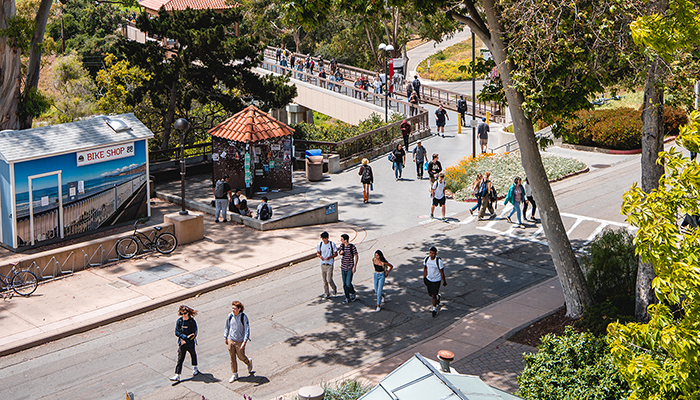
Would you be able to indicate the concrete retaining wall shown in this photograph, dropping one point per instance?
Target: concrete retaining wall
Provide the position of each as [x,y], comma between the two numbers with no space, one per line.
[382,150]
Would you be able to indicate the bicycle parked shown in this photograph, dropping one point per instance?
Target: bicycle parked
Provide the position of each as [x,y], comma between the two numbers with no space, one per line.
[163,242]
[23,282]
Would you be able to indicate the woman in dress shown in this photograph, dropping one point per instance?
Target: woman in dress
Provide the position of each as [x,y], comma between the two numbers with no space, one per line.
[382,268]
[186,332]
[516,196]
[476,189]
[367,179]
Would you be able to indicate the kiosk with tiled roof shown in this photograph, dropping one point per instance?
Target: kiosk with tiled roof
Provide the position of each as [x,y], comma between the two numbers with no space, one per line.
[254,150]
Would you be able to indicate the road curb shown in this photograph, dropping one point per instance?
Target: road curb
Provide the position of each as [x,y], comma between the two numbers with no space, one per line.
[141,308]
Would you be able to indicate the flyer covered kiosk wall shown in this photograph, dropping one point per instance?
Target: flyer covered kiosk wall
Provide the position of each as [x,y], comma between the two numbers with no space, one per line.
[65,180]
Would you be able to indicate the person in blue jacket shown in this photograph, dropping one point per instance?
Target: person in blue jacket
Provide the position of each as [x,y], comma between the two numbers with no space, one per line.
[516,196]
[186,332]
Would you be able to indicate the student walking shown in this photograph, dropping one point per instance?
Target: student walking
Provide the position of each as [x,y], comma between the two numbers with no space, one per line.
[236,335]
[399,156]
[434,168]
[437,192]
[433,273]
[529,199]
[515,196]
[485,194]
[382,268]
[420,156]
[186,332]
[405,133]
[367,179]
[348,266]
[413,99]
[222,195]
[440,115]
[476,191]
[327,251]
[483,131]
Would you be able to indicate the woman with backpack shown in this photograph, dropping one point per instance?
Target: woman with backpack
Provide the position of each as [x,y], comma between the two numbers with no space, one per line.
[382,268]
[515,196]
[485,195]
[186,332]
[367,179]
[476,191]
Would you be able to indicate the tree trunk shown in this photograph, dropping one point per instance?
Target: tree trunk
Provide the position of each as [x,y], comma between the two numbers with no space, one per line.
[42,16]
[10,72]
[652,145]
[169,117]
[576,294]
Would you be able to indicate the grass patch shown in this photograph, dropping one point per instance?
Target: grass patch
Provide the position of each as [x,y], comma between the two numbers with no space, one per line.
[444,65]
[630,99]
[503,168]
[324,120]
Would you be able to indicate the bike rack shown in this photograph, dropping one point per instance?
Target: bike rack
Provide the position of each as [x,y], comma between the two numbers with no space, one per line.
[103,256]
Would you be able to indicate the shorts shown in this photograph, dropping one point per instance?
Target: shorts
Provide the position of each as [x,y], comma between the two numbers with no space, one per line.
[439,202]
[483,141]
[433,287]
[440,124]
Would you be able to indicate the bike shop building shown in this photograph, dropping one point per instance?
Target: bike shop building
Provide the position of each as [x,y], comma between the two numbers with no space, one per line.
[64,180]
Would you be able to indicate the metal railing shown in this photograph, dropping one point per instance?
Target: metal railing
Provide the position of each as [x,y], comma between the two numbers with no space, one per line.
[513,144]
[173,154]
[429,94]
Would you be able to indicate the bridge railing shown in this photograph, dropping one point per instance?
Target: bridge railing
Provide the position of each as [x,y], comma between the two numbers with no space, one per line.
[429,94]
[173,154]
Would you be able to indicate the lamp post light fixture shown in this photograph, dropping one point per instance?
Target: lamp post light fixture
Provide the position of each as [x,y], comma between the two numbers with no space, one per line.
[386,48]
[182,125]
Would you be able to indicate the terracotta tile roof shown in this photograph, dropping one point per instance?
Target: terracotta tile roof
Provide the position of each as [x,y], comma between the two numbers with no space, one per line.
[184,4]
[250,125]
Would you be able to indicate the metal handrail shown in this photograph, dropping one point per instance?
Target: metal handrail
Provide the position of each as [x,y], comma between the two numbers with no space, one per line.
[538,134]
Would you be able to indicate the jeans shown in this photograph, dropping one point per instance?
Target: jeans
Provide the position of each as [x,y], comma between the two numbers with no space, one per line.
[181,351]
[516,209]
[221,206]
[478,203]
[398,169]
[347,284]
[379,285]
[419,169]
[327,275]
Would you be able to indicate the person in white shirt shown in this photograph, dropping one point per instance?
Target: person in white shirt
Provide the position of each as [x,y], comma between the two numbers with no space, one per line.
[437,193]
[327,251]
[433,273]
[529,200]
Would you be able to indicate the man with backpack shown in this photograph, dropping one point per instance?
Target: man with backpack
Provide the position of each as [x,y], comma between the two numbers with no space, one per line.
[416,86]
[487,192]
[327,251]
[264,211]
[433,273]
[222,195]
[461,109]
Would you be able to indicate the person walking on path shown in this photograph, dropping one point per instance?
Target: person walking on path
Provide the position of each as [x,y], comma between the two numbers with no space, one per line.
[434,169]
[416,86]
[483,131]
[515,196]
[461,109]
[186,332]
[440,115]
[420,156]
[327,251]
[433,273]
[236,335]
[409,90]
[399,161]
[413,99]
[476,191]
[405,133]
[529,199]
[348,266]
[437,192]
[485,194]
[382,268]
[367,179]
[222,195]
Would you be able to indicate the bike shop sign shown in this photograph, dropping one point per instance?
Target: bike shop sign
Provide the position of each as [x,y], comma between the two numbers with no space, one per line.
[105,154]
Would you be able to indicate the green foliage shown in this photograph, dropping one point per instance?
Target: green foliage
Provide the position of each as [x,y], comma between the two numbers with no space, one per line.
[34,103]
[340,130]
[619,128]
[661,359]
[666,34]
[617,308]
[19,30]
[575,366]
[346,390]
[610,264]
[75,88]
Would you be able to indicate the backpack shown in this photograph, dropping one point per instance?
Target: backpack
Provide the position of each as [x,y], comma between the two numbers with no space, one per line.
[392,157]
[437,261]
[366,173]
[461,105]
[416,84]
[265,213]
[219,190]
[482,189]
[494,195]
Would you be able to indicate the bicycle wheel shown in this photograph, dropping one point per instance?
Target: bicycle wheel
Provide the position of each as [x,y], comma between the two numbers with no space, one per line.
[127,247]
[166,243]
[24,283]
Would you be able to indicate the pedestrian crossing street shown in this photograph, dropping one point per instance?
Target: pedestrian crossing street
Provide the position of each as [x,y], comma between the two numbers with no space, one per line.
[581,229]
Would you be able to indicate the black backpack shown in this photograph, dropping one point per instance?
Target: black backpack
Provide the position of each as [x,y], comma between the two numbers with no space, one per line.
[461,105]
[265,213]
[219,190]
[494,194]
[366,173]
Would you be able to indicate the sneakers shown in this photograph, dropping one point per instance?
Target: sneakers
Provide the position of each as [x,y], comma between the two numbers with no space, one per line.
[378,309]
[250,366]
[217,221]
[234,377]
[434,312]
[353,298]
[471,211]
[509,221]
[175,378]
[346,301]
[195,371]
[431,216]
[335,292]
[384,297]
[325,296]
[438,299]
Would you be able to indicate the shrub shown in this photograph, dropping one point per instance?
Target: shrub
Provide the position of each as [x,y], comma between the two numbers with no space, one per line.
[610,265]
[674,118]
[346,390]
[340,130]
[575,366]
[618,308]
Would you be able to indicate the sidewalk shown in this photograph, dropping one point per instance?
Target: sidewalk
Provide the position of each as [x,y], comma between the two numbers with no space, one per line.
[228,253]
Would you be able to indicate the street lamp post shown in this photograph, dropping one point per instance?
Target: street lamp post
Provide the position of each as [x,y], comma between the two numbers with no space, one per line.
[182,125]
[386,48]
[473,98]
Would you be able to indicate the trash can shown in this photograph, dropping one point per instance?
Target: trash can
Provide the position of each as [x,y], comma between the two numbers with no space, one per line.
[314,168]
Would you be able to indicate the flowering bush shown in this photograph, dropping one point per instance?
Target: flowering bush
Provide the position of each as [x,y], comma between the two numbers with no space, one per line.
[503,167]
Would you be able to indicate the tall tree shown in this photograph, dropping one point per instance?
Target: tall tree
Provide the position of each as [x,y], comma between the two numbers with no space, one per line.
[201,62]
[10,65]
